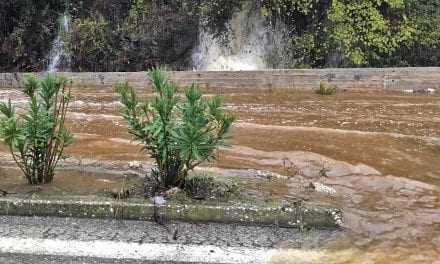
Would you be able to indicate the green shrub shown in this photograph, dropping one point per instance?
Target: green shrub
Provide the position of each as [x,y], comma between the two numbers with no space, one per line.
[326,89]
[203,186]
[178,134]
[91,43]
[37,138]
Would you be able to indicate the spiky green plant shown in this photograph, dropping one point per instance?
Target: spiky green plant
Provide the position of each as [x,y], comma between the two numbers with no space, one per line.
[178,133]
[38,137]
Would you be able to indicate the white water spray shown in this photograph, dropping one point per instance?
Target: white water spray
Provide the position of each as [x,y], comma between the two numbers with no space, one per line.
[248,44]
[59,55]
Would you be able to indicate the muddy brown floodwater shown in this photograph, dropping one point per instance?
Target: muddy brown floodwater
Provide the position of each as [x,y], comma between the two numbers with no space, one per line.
[378,150]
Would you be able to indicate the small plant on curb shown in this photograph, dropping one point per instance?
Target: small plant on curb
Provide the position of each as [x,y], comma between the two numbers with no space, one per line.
[178,133]
[202,186]
[326,89]
[38,137]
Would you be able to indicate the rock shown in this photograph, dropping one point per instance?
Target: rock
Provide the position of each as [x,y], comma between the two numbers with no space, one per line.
[321,188]
[262,174]
[173,191]
[425,91]
[159,200]
[268,174]
[284,205]
[134,165]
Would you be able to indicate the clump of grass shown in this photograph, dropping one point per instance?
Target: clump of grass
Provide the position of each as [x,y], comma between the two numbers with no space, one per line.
[204,186]
[326,89]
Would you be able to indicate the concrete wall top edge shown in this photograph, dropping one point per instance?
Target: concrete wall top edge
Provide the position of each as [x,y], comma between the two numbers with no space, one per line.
[356,78]
[256,71]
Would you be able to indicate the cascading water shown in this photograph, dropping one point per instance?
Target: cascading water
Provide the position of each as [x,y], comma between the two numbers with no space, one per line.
[59,55]
[248,44]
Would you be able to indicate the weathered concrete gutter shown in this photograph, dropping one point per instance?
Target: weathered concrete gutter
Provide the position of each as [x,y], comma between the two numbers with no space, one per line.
[296,215]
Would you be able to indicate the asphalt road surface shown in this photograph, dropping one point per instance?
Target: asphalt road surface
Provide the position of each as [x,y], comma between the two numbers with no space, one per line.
[70,240]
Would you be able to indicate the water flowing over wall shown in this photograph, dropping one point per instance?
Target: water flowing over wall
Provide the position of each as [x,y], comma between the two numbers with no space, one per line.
[247,45]
[59,55]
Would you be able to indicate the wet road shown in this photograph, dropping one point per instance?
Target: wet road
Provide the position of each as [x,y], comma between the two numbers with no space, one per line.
[9,258]
[69,240]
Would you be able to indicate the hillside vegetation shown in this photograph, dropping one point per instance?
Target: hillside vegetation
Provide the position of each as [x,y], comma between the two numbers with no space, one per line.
[131,35]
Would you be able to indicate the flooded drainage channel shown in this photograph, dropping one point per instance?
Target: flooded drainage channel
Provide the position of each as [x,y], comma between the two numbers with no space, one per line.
[376,154]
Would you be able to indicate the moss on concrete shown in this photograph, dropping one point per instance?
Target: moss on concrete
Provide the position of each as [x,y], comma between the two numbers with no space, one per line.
[292,215]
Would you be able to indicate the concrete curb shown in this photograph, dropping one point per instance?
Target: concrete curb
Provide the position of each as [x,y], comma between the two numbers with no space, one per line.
[298,215]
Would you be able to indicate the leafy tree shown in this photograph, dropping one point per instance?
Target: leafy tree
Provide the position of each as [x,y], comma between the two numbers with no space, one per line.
[91,43]
[424,49]
[38,138]
[215,14]
[425,15]
[306,41]
[177,134]
[131,35]
[368,30]
[156,33]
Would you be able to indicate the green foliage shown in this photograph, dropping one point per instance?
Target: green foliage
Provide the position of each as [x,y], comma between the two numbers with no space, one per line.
[26,33]
[326,89]
[425,15]
[204,186]
[91,43]
[424,48]
[287,8]
[306,42]
[140,34]
[131,35]
[216,14]
[37,138]
[178,134]
[137,9]
[367,30]
[156,33]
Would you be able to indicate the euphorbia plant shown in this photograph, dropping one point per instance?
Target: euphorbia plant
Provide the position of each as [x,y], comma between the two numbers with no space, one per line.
[178,133]
[38,137]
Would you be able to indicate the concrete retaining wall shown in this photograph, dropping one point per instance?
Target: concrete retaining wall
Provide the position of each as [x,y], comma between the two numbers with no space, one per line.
[364,78]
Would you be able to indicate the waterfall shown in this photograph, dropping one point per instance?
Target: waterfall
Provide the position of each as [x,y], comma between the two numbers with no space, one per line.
[248,44]
[59,57]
